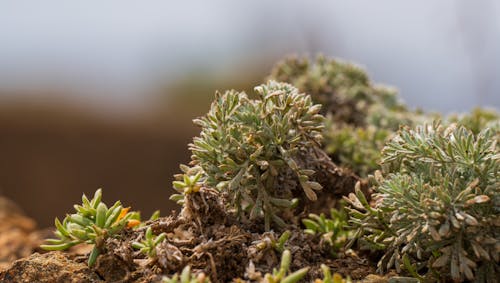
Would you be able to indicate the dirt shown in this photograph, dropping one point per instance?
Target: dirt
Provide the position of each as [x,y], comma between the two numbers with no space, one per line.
[336,181]
[18,235]
[50,268]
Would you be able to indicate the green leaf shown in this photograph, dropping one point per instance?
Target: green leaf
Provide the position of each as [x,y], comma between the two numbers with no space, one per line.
[295,276]
[96,200]
[101,215]
[137,245]
[113,216]
[93,256]
[155,215]
[61,228]
[310,224]
[58,247]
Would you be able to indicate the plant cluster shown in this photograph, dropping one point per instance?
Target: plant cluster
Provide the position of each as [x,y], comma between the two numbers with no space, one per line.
[437,204]
[362,116]
[248,147]
[434,213]
[92,223]
[333,231]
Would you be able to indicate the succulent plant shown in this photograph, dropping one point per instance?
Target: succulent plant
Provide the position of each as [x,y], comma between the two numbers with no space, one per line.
[247,148]
[148,245]
[279,245]
[333,230]
[362,116]
[283,275]
[187,277]
[437,204]
[92,223]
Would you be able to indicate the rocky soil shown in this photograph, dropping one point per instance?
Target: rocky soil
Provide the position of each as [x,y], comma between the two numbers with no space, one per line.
[202,235]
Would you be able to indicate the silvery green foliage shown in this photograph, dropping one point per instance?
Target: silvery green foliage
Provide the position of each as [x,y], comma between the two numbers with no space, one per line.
[437,204]
[345,91]
[246,146]
[342,88]
[362,115]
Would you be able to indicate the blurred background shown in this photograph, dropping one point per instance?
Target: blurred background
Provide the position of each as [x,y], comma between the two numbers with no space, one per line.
[102,93]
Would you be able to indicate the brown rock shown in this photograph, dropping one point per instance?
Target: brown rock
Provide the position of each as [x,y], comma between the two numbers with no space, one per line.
[17,237]
[51,267]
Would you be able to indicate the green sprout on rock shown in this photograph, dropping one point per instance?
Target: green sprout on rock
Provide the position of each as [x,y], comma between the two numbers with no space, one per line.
[269,241]
[186,183]
[149,244]
[279,245]
[437,204]
[92,223]
[249,149]
[155,216]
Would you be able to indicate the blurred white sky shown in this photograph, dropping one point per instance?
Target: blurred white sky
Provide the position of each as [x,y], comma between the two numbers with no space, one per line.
[442,55]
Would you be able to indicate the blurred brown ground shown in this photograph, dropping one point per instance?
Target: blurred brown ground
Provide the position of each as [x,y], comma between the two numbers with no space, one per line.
[49,157]
[51,153]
